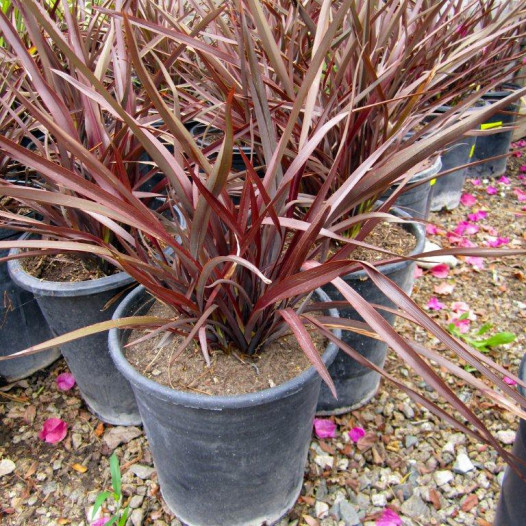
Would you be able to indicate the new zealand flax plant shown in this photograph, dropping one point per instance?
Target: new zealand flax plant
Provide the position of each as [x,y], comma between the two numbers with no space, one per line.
[236,278]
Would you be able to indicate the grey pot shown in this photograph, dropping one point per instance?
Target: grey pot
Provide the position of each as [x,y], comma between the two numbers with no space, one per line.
[355,383]
[224,460]
[416,198]
[22,326]
[511,510]
[70,306]
[496,144]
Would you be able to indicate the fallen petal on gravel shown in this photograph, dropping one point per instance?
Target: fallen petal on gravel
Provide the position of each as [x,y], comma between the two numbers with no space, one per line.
[54,430]
[324,428]
[65,381]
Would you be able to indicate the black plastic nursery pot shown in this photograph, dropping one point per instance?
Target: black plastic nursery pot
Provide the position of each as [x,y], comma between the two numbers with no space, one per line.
[447,189]
[511,510]
[488,146]
[70,306]
[22,325]
[238,164]
[415,201]
[224,460]
[356,384]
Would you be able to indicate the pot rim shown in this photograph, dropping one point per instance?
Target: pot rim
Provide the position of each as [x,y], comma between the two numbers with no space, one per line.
[201,401]
[63,289]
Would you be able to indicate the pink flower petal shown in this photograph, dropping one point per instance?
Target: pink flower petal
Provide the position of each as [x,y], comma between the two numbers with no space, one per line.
[521,195]
[517,154]
[477,216]
[444,289]
[475,182]
[389,518]
[54,430]
[468,199]
[431,229]
[100,522]
[460,307]
[434,304]
[523,168]
[475,262]
[356,433]
[471,229]
[65,381]
[509,381]
[491,190]
[453,238]
[466,243]
[461,227]
[324,428]
[440,271]
[418,272]
[504,180]
[498,242]
[462,325]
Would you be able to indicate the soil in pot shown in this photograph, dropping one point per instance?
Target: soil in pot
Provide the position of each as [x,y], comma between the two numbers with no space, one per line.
[357,384]
[74,292]
[236,460]
[229,374]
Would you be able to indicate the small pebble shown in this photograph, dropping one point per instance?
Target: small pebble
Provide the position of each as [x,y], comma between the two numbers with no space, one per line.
[321,509]
[443,477]
[506,436]
[463,464]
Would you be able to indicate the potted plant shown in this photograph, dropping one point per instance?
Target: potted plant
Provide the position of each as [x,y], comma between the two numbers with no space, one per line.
[244,276]
[22,321]
[71,290]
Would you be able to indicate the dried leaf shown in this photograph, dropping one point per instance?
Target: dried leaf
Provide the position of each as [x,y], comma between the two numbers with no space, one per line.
[30,414]
[434,497]
[99,430]
[79,468]
[31,471]
[377,457]
[367,441]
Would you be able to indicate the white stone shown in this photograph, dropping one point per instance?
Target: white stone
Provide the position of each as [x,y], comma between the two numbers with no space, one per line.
[120,435]
[408,411]
[143,472]
[324,460]
[136,501]
[432,261]
[343,464]
[321,509]
[443,477]
[137,517]
[6,467]
[506,436]
[379,500]
[482,481]
[449,447]
[463,464]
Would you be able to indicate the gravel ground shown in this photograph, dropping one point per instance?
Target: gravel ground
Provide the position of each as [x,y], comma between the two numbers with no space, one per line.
[409,461]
